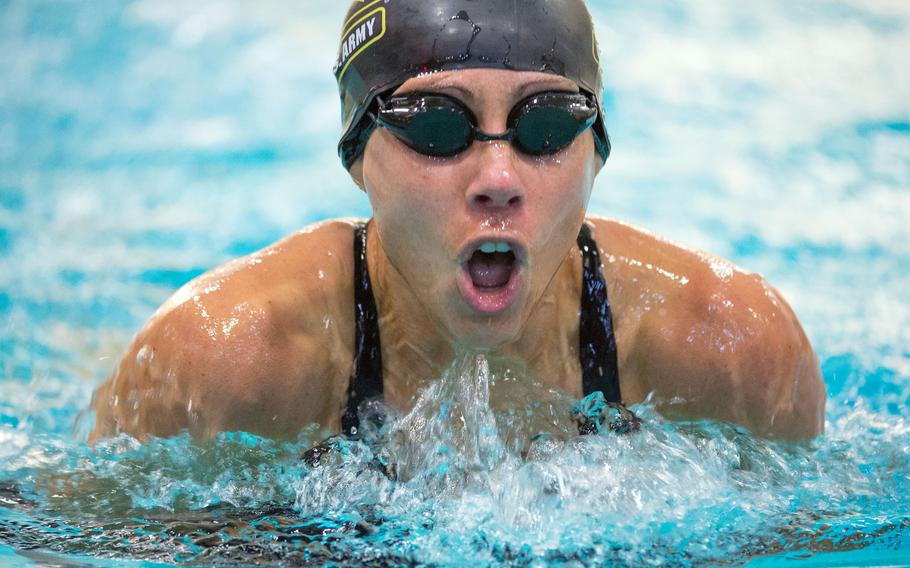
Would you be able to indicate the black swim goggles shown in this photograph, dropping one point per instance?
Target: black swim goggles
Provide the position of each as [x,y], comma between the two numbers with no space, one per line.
[442,126]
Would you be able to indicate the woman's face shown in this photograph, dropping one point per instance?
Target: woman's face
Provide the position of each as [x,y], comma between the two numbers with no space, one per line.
[433,215]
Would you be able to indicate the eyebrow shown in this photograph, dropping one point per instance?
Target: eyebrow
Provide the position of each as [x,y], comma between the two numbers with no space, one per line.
[527,88]
[449,84]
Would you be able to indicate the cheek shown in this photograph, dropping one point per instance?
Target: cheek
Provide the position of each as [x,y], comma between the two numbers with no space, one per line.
[563,185]
[407,201]
[395,178]
[583,166]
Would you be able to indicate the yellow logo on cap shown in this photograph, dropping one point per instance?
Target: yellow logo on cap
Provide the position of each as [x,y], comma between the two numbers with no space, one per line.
[365,27]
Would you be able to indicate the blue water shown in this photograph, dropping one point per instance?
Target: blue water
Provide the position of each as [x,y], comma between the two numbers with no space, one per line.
[142,143]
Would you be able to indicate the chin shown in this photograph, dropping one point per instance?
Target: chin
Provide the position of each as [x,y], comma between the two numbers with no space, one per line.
[485,333]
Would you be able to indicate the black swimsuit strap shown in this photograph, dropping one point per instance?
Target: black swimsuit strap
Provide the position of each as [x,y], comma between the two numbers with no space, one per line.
[599,365]
[366,379]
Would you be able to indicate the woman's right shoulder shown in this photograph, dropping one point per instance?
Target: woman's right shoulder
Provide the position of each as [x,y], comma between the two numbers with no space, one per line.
[300,286]
[270,330]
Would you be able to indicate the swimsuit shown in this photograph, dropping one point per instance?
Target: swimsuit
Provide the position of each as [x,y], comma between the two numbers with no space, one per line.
[597,353]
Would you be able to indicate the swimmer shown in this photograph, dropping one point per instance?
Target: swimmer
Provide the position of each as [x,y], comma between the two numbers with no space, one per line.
[476,130]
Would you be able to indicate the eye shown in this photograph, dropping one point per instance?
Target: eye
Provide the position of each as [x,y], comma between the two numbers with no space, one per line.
[441,131]
[546,130]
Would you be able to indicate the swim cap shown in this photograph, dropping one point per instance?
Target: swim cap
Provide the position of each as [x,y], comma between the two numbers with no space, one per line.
[386,42]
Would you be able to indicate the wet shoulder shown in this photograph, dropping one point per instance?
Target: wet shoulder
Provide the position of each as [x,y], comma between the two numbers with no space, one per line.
[685,295]
[648,271]
[261,343]
[297,282]
[654,274]
[708,338]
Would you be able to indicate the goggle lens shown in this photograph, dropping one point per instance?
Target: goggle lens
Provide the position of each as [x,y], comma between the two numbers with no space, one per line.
[546,130]
[436,132]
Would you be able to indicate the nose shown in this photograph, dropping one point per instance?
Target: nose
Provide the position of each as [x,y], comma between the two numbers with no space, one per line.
[496,185]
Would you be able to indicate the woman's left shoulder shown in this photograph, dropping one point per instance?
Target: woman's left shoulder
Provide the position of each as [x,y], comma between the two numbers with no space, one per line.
[716,339]
[656,269]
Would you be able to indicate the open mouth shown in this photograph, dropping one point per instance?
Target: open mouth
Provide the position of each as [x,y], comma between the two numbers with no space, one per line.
[491,266]
[491,277]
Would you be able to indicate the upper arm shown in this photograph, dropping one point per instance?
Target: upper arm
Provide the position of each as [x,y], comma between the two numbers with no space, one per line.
[147,392]
[779,374]
[738,353]
[183,372]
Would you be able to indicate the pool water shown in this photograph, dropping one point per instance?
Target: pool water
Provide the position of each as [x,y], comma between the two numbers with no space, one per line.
[144,142]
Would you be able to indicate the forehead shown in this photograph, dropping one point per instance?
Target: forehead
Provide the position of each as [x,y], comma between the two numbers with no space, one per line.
[480,83]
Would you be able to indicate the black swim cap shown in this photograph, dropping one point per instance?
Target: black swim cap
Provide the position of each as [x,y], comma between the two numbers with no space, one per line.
[386,42]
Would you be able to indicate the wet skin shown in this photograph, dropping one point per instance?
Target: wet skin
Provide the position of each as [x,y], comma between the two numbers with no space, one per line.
[265,343]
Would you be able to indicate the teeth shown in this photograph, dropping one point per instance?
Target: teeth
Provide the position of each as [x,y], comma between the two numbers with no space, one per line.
[490,248]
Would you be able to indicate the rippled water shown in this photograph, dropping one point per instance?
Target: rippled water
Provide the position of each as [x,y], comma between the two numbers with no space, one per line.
[142,143]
